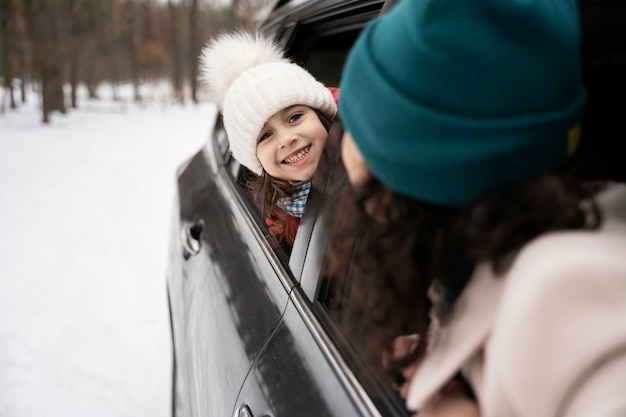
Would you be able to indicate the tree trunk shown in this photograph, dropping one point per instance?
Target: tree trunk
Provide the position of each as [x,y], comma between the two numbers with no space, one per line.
[193,49]
[74,81]
[30,11]
[110,35]
[43,32]
[45,92]
[135,43]
[177,70]
[55,57]
[21,46]
[7,30]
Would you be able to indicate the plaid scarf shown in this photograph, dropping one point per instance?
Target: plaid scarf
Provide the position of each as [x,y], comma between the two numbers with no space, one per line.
[294,205]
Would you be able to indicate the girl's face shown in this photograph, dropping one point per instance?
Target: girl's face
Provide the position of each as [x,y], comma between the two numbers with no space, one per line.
[291,142]
[357,171]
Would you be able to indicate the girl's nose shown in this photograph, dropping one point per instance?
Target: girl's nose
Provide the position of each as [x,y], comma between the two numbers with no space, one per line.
[288,138]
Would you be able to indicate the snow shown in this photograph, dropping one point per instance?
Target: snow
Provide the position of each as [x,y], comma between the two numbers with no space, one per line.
[85,210]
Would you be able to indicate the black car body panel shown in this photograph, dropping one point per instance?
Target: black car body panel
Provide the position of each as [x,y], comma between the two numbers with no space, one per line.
[224,293]
[252,333]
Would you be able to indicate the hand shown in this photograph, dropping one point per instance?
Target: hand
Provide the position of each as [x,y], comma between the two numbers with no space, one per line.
[453,401]
[402,346]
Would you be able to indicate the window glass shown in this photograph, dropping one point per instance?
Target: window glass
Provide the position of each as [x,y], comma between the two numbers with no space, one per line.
[329,306]
[326,61]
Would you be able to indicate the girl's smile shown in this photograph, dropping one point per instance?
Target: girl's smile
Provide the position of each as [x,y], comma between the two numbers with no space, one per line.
[297,156]
[291,143]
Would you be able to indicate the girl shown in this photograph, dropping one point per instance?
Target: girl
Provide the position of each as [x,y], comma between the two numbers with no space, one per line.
[277,118]
[473,228]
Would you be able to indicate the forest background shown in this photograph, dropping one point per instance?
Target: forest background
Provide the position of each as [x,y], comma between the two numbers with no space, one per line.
[56,45]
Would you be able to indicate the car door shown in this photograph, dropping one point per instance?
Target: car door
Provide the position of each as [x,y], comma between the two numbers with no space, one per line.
[227,291]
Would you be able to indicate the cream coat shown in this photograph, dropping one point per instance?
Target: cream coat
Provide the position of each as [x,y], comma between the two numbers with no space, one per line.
[549,337]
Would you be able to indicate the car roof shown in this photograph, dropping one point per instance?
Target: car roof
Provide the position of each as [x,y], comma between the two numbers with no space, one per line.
[289,11]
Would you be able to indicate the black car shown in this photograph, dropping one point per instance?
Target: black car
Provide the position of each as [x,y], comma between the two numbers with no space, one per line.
[254,333]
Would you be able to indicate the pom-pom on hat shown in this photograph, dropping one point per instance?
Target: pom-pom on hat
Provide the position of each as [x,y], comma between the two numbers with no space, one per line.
[250,80]
[450,99]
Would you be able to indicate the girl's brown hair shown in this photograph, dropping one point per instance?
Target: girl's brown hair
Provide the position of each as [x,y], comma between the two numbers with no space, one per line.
[401,250]
[267,190]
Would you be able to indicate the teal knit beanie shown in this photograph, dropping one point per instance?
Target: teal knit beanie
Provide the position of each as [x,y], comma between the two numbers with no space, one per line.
[449,99]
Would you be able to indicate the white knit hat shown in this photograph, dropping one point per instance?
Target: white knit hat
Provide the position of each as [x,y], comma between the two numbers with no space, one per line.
[250,80]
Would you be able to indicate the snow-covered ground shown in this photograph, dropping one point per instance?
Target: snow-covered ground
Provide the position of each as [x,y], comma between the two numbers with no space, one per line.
[85,209]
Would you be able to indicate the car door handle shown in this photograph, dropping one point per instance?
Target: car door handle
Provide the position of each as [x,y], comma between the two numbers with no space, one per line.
[243,411]
[192,237]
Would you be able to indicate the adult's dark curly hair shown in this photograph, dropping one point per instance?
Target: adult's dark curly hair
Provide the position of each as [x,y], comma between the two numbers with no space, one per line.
[388,250]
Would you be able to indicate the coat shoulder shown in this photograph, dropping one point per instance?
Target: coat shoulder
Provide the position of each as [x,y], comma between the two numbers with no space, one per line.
[562,312]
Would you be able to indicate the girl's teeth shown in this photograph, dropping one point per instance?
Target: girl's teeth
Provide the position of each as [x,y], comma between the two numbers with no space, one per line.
[299,156]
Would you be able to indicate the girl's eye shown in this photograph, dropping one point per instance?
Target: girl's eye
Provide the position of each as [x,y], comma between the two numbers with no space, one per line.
[295,117]
[265,136]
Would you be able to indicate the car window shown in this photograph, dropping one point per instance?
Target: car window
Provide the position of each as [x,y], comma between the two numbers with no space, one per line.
[327,59]
[322,50]
[329,301]
[322,47]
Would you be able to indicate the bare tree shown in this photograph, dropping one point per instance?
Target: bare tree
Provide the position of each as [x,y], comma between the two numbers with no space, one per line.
[246,14]
[176,46]
[21,47]
[110,35]
[44,21]
[193,49]
[133,21]
[85,42]
[81,18]
[7,44]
